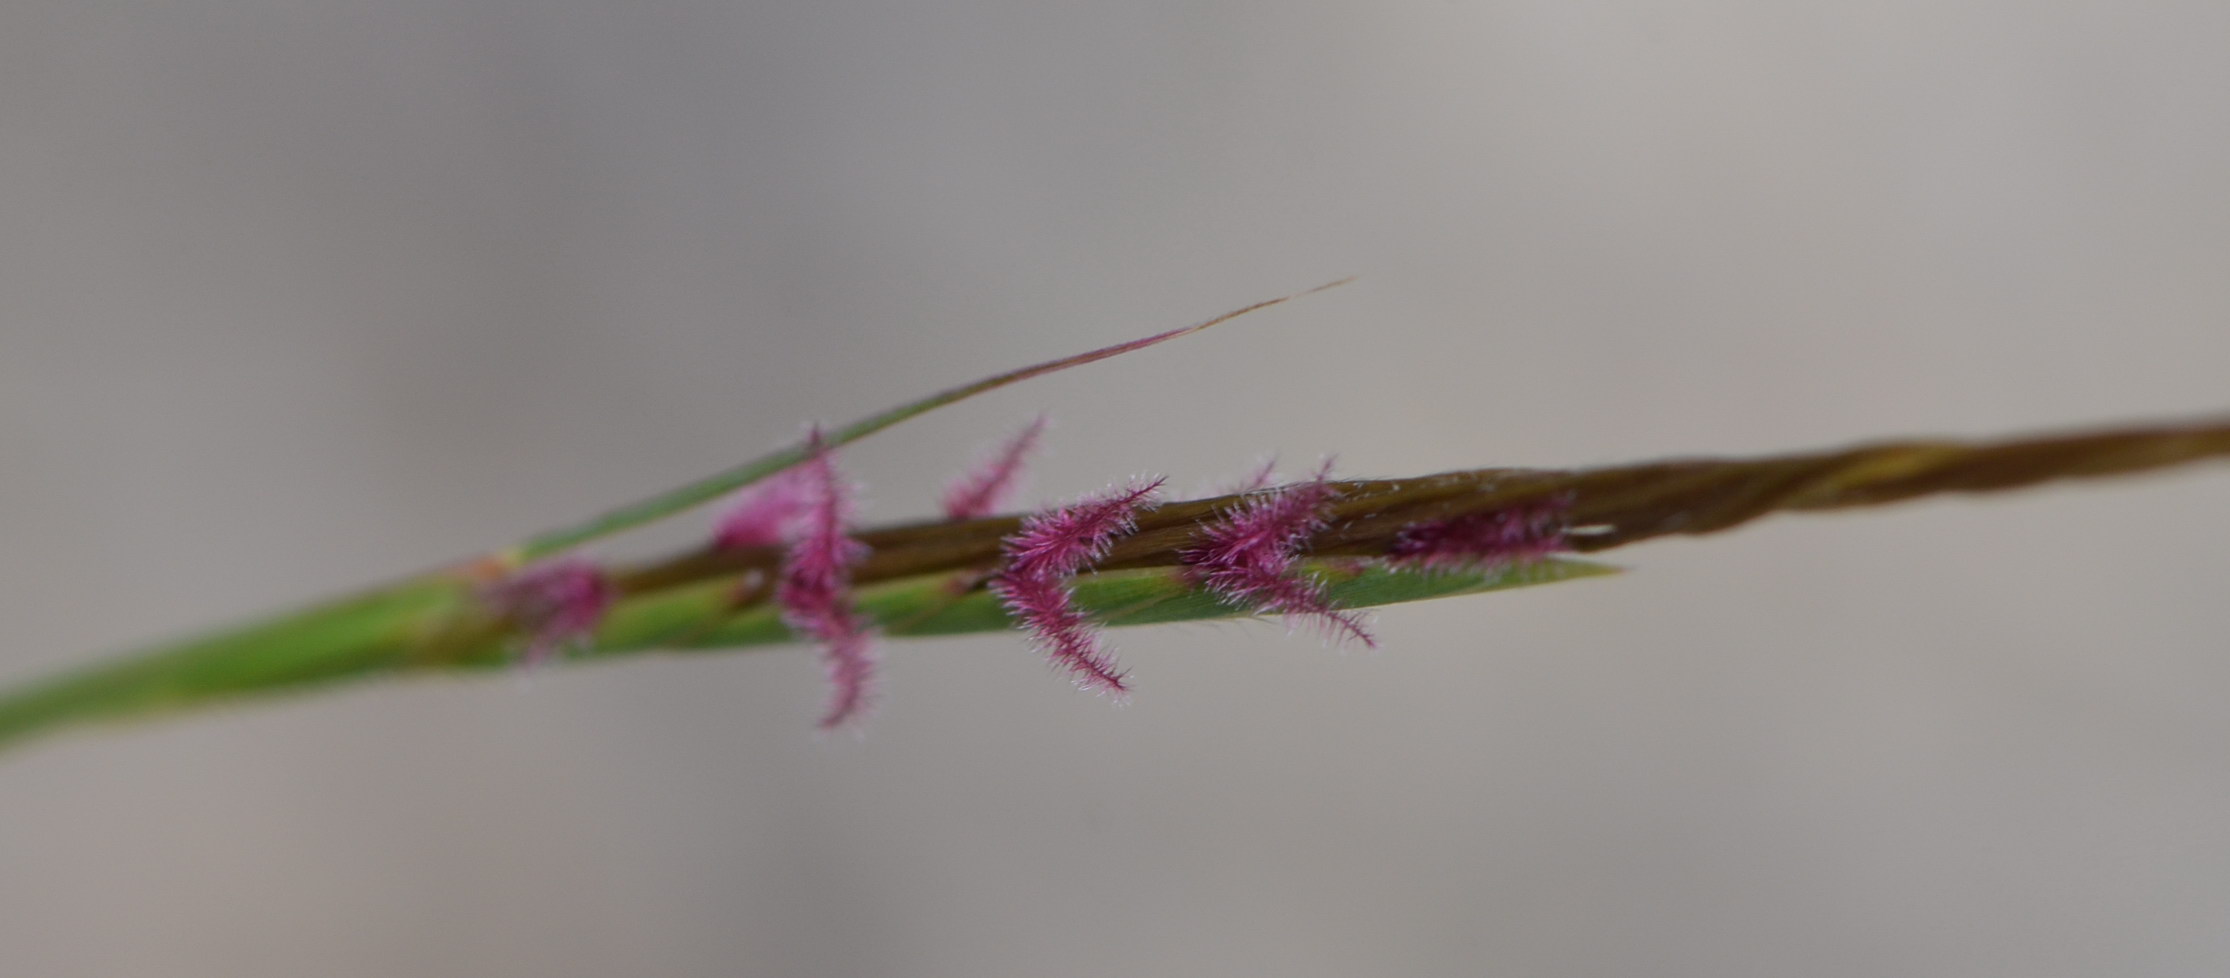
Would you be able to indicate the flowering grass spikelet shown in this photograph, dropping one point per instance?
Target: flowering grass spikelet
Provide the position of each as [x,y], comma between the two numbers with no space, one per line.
[1041,559]
[815,590]
[994,478]
[556,604]
[1514,535]
[1251,558]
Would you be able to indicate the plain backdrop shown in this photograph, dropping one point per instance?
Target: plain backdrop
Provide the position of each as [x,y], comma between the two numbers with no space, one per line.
[299,294]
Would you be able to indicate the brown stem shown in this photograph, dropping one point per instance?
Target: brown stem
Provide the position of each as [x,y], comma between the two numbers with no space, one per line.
[1608,507]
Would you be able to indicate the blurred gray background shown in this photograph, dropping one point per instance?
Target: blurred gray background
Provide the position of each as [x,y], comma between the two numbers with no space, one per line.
[298,294]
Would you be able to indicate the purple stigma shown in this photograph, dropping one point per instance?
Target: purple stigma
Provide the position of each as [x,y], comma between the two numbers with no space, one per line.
[1513,535]
[1042,557]
[557,605]
[765,514]
[815,590]
[993,479]
[1260,478]
[1251,558]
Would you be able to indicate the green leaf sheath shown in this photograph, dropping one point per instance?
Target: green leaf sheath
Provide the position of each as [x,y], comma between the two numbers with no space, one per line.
[360,636]
[934,605]
[434,626]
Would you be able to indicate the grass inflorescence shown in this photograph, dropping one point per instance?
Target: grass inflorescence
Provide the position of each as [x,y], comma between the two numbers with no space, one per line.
[785,563]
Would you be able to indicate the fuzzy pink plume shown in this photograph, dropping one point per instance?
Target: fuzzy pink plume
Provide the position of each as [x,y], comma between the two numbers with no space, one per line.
[1258,479]
[985,487]
[1042,557]
[766,514]
[815,591]
[557,604]
[1517,534]
[1251,557]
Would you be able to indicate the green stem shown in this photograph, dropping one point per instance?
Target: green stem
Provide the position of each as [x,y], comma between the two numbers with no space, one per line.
[355,636]
[431,626]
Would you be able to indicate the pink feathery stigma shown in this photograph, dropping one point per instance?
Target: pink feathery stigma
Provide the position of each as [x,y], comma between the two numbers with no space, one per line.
[850,660]
[1260,479]
[1043,556]
[766,513]
[1251,558]
[983,488]
[1517,534]
[816,587]
[557,605]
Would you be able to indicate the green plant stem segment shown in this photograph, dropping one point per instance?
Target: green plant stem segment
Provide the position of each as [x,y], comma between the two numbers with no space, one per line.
[312,646]
[429,629]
